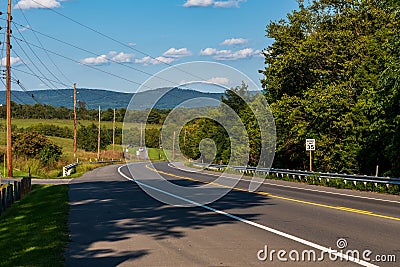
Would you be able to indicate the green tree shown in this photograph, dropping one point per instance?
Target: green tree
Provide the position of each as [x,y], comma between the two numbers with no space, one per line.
[35,145]
[87,137]
[323,79]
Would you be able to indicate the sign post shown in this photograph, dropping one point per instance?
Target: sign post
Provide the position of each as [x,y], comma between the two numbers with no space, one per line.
[310,146]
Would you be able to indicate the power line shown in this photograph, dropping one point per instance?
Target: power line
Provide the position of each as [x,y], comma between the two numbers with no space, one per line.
[114,40]
[30,69]
[103,71]
[97,55]
[37,76]
[13,93]
[36,67]
[76,61]
[90,66]
[44,65]
[37,38]
[18,82]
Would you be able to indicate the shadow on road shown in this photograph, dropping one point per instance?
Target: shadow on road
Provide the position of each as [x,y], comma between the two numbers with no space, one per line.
[104,212]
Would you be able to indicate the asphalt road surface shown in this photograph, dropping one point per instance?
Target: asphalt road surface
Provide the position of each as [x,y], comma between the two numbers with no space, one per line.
[113,222]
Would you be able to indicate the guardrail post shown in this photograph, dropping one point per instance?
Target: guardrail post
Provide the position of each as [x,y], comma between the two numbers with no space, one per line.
[1,201]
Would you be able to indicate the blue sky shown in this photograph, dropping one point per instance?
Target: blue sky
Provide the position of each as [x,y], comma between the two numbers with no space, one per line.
[231,32]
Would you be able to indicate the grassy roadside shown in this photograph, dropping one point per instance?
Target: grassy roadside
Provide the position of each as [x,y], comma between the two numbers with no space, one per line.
[34,231]
[338,183]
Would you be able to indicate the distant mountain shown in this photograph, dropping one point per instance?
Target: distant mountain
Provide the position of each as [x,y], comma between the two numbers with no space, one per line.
[168,98]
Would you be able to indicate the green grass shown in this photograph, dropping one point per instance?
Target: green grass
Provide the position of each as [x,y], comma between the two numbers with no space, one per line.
[25,123]
[154,154]
[34,232]
[66,144]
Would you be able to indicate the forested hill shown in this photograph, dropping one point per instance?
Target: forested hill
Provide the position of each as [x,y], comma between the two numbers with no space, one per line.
[109,99]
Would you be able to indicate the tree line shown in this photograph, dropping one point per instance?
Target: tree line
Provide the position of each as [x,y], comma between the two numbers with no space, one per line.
[332,73]
[39,111]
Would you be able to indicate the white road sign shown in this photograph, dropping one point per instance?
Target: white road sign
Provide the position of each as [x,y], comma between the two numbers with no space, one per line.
[310,144]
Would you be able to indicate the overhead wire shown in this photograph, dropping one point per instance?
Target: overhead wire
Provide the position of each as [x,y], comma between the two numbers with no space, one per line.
[30,69]
[31,95]
[115,40]
[76,61]
[98,55]
[38,58]
[96,68]
[47,51]
[37,76]
[13,93]
[51,60]
[52,85]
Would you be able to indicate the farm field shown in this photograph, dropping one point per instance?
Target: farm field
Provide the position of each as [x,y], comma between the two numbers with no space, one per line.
[25,123]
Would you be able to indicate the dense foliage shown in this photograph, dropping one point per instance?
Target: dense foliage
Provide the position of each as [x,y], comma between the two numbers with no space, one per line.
[37,146]
[209,130]
[332,73]
[87,137]
[51,130]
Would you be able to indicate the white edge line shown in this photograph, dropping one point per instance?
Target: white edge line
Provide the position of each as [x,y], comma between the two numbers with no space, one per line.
[293,187]
[260,226]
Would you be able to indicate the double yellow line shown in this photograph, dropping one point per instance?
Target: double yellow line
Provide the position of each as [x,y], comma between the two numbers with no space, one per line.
[364,212]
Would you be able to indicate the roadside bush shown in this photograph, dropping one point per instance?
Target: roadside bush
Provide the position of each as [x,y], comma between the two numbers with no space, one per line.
[36,146]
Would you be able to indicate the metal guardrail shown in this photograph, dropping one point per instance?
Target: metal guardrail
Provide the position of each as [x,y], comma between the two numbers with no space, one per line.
[67,170]
[300,174]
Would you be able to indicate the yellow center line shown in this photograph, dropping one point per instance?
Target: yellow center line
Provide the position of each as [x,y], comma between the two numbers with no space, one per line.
[364,212]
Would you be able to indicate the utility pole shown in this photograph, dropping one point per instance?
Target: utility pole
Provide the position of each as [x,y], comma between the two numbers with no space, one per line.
[184,138]
[98,137]
[159,145]
[141,135]
[114,132]
[8,92]
[74,121]
[173,147]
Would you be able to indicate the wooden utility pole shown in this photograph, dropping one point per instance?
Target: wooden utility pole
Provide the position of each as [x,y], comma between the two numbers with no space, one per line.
[173,147]
[184,138]
[141,135]
[74,121]
[8,93]
[114,132]
[98,137]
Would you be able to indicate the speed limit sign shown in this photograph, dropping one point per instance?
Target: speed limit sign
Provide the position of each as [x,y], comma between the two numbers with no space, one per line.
[310,144]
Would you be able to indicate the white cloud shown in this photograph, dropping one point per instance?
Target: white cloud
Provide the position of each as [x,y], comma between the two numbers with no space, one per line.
[198,3]
[154,61]
[213,3]
[112,56]
[208,51]
[213,52]
[177,53]
[29,4]
[15,61]
[219,80]
[234,41]
[132,44]
[241,54]
[122,57]
[100,60]
[229,54]
[227,4]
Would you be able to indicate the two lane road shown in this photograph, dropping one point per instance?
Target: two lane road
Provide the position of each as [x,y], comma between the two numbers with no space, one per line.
[113,222]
